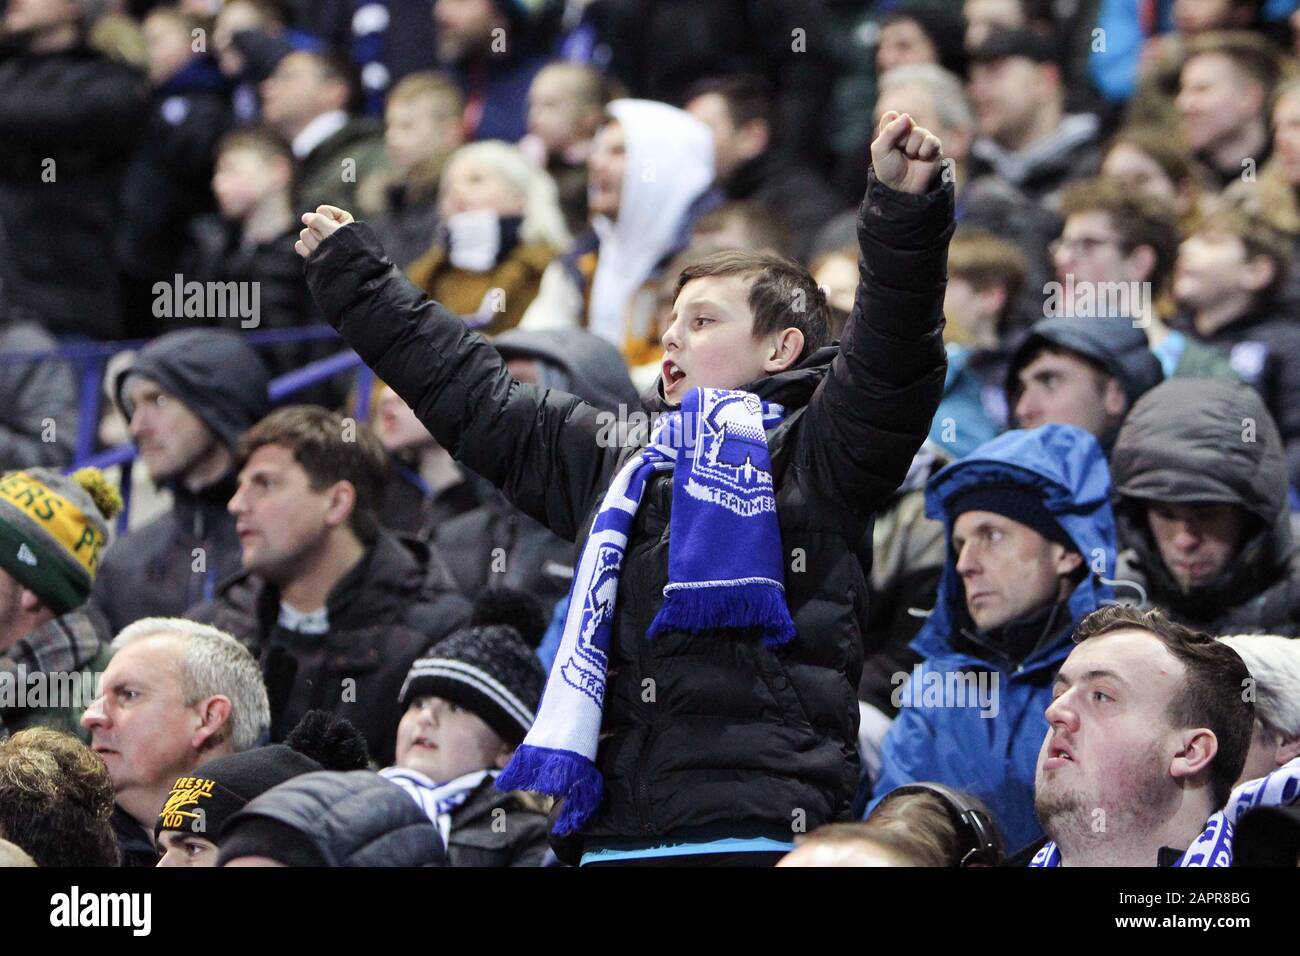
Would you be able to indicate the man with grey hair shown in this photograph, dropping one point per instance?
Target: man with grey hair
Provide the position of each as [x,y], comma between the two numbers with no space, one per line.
[175,694]
[1274,665]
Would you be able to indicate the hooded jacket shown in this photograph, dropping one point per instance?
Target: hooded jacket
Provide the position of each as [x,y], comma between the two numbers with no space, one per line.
[994,758]
[383,614]
[177,560]
[669,171]
[354,818]
[739,740]
[1186,441]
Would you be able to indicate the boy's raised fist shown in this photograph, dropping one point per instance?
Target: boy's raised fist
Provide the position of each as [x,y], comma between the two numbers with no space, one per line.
[905,156]
[319,226]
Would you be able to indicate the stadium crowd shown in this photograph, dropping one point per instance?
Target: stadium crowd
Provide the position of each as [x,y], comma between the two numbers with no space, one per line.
[787,432]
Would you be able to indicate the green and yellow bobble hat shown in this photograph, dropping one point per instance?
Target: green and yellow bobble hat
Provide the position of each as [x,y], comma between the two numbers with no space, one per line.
[53,531]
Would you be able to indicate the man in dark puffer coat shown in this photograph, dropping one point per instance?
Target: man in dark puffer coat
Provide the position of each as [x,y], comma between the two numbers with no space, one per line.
[737,741]
[69,119]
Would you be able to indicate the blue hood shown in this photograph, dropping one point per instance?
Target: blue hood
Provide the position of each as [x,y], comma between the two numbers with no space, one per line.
[1064,466]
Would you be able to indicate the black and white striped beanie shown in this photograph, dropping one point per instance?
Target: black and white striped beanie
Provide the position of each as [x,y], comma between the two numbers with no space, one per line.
[489,671]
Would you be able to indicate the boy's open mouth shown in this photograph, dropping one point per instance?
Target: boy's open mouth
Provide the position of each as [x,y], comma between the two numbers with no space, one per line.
[672,375]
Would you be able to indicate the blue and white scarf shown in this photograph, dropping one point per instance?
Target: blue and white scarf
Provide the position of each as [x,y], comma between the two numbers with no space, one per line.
[436,800]
[725,572]
[1213,848]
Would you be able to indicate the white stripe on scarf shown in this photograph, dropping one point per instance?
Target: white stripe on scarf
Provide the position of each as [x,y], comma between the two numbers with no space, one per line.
[436,800]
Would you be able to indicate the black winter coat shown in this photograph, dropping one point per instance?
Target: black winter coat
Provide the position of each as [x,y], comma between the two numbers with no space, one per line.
[168,181]
[83,112]
[383,614]
[353,818]
[492,828]
[737,740]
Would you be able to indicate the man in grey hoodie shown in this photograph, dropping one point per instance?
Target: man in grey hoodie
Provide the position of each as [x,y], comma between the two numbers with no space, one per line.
[188,396]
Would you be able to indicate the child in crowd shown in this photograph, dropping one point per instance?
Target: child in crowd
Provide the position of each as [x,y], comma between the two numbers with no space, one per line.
[702,706]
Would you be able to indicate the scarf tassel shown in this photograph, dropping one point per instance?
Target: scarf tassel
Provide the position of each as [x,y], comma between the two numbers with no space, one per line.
[759,608]
[560,773]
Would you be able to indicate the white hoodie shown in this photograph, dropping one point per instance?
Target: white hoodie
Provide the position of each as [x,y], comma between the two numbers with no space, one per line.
[669,164]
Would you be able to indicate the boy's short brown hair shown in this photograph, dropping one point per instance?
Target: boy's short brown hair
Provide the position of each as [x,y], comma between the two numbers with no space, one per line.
[1249,52]
[593,88]
[329,448]
[266,143]
[1258,238]
[782,294]
[448,101]
[986,262]
[1138,219]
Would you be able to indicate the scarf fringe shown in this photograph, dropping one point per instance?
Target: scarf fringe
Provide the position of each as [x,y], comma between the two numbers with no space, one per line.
[560,773]
[757,608]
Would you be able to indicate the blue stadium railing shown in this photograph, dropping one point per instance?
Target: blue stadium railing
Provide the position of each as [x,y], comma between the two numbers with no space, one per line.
[90,358]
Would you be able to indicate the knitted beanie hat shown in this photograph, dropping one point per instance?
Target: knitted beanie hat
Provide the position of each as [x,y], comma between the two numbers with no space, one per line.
[53,531]
[489,671]
[1014,502]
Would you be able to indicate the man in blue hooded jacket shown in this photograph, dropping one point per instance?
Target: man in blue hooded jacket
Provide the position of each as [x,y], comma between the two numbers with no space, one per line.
[1030,536]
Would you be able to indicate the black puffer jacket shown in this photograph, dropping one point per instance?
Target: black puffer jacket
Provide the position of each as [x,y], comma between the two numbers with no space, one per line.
[68,122]
[355,818]
[739,740]
[1183,442]
[383,615]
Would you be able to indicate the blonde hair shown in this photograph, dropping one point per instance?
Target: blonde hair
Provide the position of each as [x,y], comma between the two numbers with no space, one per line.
[543,220]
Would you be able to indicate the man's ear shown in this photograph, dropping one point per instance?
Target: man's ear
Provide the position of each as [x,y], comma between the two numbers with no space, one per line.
[343,498]
[1067,560]
[1258,272]
[214,726]
[992,300]
[1288,748]
[787,346]
[1143,262]
[1199,747]
[754,138]
[1114,401]
[30,603]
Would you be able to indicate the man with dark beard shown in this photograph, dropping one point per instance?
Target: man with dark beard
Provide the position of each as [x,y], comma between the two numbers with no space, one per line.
[1150,724]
